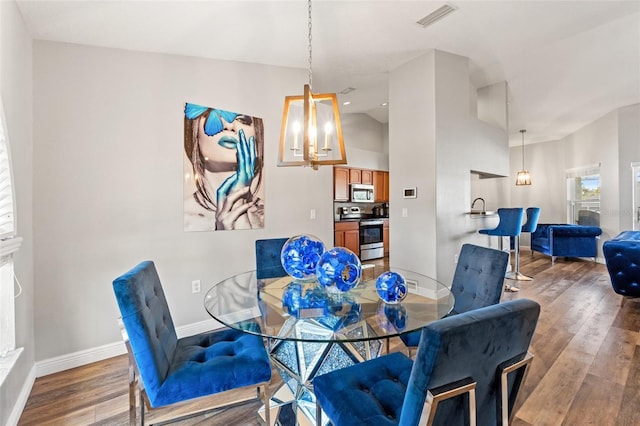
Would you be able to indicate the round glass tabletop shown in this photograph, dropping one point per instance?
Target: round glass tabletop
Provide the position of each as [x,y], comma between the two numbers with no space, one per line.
[286,309]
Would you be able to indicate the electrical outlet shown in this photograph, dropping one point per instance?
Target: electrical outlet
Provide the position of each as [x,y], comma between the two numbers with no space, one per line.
[455,258]
[312,214]
[195,286]
[405,212]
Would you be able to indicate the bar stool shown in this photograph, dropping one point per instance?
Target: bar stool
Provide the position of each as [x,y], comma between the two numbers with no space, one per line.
[510,225]
[533,214]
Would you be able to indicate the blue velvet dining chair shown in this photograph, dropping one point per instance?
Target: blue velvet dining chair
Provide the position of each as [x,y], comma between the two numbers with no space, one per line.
[477,282]
[173,370]
[468,370]
[268,264]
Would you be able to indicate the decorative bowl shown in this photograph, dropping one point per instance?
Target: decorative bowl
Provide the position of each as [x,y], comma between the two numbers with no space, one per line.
[391,287]
[339,268]
[300,255]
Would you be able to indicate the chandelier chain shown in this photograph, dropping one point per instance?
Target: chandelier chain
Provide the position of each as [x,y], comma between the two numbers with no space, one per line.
[310,51]
[522,132]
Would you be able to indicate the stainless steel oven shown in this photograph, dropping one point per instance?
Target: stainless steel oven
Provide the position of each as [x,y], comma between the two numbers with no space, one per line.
[371,242]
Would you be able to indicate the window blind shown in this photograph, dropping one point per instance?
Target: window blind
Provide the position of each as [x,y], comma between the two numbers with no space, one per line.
[7,222]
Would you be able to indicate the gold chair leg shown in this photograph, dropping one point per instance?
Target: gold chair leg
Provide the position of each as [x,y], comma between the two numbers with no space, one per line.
[506,401]
[451,390]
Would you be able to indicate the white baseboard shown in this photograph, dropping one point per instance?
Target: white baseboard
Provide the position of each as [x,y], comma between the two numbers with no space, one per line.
[77,359]
[14,417]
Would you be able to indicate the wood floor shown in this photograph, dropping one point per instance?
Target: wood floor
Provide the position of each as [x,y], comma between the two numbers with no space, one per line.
[586,369]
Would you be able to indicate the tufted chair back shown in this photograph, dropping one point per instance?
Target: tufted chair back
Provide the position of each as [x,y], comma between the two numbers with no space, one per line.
[474,344]
[477,283]
[487,346]
[622,255]
[148,322]
[479,277]
[268,264]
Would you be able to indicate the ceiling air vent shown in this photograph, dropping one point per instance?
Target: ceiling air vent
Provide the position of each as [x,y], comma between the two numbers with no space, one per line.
[436,15]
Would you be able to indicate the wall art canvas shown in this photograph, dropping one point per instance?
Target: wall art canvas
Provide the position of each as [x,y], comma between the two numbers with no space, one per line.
[223,176]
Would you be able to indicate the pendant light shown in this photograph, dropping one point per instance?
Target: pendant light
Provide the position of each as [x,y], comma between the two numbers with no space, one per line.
[523,177]
[311,133]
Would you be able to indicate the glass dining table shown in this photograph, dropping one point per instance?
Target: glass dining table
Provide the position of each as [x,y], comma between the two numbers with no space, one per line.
[311,330]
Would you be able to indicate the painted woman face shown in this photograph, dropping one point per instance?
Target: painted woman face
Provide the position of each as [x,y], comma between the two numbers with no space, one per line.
[219,149]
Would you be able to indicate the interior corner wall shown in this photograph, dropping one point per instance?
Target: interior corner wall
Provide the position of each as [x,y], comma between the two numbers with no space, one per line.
[412,163]
[108,172]
[435,153]
[629,142]
[16,88]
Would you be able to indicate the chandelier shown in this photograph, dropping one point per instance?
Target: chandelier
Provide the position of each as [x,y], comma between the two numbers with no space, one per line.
[311,134]
[523,177]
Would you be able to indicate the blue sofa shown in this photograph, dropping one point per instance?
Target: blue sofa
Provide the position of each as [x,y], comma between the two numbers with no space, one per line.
[565,240]
[622,255]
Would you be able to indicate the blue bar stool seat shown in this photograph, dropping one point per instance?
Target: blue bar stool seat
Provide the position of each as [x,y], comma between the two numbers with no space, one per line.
[510,225]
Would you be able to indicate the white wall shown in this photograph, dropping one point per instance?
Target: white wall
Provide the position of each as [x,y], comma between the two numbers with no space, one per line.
[16,88]
[434,143]
[108,137]
[612,141]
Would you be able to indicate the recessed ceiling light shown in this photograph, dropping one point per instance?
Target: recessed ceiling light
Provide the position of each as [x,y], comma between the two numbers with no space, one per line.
[384,104]
[436,15]
[346,103]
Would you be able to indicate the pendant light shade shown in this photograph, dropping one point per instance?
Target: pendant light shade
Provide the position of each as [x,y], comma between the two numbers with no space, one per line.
[311,133]
[523,177]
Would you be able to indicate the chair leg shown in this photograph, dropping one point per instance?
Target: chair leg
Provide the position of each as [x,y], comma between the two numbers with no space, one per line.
[507,401]
[515,274]
[437,395]
[318,414]
[267,399]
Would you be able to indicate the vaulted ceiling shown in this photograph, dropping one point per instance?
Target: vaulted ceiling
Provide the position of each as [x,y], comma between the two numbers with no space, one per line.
[566,63]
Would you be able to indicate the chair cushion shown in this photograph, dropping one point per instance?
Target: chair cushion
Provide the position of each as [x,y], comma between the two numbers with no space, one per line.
[373,391]
[213,362]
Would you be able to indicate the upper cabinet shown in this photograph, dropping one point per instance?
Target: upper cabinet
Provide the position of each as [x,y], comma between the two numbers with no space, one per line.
[380,186]
[341,184]
[343,176]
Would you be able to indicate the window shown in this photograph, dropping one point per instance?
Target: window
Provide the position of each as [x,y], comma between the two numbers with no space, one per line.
[583,195]
[9,244]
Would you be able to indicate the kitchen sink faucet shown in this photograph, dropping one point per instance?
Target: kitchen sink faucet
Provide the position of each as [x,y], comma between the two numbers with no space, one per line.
[474,202]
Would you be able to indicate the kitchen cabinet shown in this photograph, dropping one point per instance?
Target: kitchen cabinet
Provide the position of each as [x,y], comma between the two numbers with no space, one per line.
[385,236]
[344,176]
[355,176]
[347,235]
[366,177]
[341,184]
[381,186]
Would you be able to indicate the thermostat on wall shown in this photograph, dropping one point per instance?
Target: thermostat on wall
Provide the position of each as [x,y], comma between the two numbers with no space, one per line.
[410,193]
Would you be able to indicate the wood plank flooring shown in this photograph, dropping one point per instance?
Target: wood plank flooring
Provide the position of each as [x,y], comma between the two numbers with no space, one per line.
[586,369]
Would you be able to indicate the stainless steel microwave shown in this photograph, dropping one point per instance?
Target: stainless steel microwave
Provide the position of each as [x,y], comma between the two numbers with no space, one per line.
[361,193]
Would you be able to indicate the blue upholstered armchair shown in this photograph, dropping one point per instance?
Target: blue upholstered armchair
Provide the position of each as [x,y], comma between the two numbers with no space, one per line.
[477,358]
[622,255]
[175,370]
[477,282]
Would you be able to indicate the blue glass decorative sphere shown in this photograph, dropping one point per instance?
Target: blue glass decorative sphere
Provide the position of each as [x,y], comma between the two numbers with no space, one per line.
[391,287]
[300,255]
[339,268]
